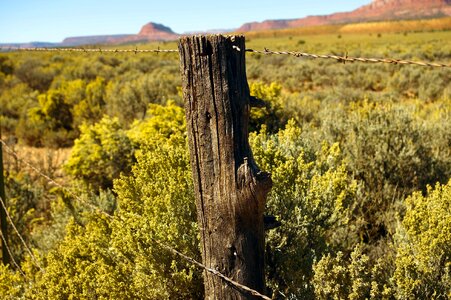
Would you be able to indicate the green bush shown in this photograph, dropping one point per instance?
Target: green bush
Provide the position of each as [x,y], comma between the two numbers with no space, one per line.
[101,153]
[117,257]
[157,202]
[12,111]
[271,115]
[311,196]
[6,65]
[90,108]
[11,283]
[50,123]
[423,261]
[129,99]
[387,150]
[105,150]
[35,74]
[337,277]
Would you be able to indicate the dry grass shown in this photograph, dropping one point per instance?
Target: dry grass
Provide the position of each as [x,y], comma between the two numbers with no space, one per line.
[49,161]
[398,26]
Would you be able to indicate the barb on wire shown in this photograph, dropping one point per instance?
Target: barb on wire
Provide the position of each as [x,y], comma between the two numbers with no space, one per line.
[100,50]
[11,255]
[266,51]
[347,58]
[35,261]
[212,271]
[42,174]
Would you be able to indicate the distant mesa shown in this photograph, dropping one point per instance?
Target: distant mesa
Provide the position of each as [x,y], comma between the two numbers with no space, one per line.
[152,29]
[377,10]
[148,33]
[94,39]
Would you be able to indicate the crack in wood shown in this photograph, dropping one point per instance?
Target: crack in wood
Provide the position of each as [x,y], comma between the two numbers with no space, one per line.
[230,189]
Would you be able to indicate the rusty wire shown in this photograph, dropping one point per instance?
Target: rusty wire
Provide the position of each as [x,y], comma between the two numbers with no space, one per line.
[100,50]
[5,244]
[168,248]
[266,51]
[213,271]
[346,58]
[33,258]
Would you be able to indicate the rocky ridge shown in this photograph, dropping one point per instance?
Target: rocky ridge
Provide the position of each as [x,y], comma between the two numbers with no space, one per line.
[149,32]
[377,10]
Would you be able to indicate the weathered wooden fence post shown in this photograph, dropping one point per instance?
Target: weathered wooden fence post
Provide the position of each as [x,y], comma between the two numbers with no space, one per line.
[230,189]
[3,221]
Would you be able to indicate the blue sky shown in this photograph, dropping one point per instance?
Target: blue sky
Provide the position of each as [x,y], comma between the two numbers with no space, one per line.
[53,20]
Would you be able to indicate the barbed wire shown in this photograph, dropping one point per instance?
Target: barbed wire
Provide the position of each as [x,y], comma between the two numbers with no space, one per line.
[174,251]
[346,58]
[5,244]
[100,50]
[266,51]
[33,258]
[213,271]
[10,151]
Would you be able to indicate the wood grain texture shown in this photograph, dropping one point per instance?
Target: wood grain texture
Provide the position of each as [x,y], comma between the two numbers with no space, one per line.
[230,190]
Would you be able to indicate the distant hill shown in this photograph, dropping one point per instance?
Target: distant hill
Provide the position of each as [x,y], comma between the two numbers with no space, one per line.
[377,10]
[149,32]
[94,39]
[29,45]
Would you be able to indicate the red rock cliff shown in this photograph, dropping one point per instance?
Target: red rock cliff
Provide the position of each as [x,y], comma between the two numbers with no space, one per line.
[377,10]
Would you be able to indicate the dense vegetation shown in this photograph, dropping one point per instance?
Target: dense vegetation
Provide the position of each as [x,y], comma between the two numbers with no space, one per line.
[360,156]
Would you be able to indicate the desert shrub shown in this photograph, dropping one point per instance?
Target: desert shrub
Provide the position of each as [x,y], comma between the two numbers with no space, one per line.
[303,109]
[61,110]
[11,283]
[311,196]
[423,261]
[271,115]
[157,202]
[100,154]
[89,108]
[109,60]
[6,65]
[117,257]
[417,267]
[87,69]
[74,90]
[435,117]
[54,111]
[434,86]
[129,99]
[163,120]
[15,101]
[27,206]
[106,149]
[81,266]
[355,277]
[35,74]
[50,123]
[386,145]
[386,149]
